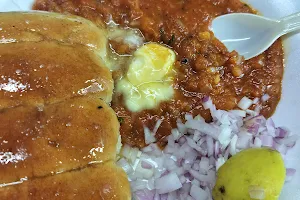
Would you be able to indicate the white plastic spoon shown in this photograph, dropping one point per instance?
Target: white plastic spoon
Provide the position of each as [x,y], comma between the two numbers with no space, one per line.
[250,34]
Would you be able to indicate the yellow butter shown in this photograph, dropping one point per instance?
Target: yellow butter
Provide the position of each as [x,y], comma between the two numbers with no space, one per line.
[149,79]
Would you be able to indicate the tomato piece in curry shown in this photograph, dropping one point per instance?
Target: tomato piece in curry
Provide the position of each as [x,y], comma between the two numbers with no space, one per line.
[204,66]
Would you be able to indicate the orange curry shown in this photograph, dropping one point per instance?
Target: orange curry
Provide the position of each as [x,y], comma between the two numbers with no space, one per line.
[204,66]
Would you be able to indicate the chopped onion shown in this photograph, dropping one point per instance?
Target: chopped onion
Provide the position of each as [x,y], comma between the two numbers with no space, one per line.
[125,166]
[198,193]
[266,140]
[243,141]
[167,183]
[290,172]
[144,194]
[207,103]
[220,162]
[175,133]
[157,125]
[245,103]
[240,113]
[256,100]
[210,146]
[149,137]
[251,112]
[204,165]
[281,132]
[196,150]
[146,165]
[257,143]
[265,97]
[233,143]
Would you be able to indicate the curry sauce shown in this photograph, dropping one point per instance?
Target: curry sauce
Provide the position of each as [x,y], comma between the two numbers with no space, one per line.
[204,66]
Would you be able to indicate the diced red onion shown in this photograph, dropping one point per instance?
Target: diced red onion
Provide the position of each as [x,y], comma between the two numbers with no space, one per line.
[175,133]
[138,185]
[281,132]
[257,143]
[156,196]
[290,172]
[190,157]
[288,141]
[195,182]
[257,108]
[256,100]
[126,149]
[266,140]
[144,194]
[182,179]
[205,99]
[225,136]
[217,149]
[182,128]
[198,193]
[210,146]
[251,112]
[143,172]
[240,113]
[245,103]
[188,117]
[220,161]
[149,136]
[156,127]
[146,165]
[207,103]
[196,166]
[265,97]
[270,126]
[204,165]
[233,143]
[195,150]
[203,128]
[147,149]
[125,165]
[164,197]
[243,141]
[167,183]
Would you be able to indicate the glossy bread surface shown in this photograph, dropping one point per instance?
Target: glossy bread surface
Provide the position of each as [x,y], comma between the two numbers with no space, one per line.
[46,58]
[58,135]
[37,142]
[93,183]
[37,73]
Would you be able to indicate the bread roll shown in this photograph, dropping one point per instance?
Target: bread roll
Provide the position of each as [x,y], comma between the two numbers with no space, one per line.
[57,138]
[97,182]
[47,58]
[58,134]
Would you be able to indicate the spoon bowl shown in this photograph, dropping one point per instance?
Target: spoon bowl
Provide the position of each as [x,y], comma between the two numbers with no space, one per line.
[250,34]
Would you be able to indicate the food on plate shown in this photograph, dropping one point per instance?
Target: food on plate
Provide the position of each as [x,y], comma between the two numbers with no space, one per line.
[56,138]
[46,58]
[203,65]
[251,174]
[196,150]
[59,136]
[106,181]
[185,106]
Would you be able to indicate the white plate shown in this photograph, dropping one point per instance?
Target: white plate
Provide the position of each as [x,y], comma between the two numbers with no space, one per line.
[289,107]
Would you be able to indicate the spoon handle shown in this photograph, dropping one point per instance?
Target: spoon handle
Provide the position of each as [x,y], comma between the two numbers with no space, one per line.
[291,23]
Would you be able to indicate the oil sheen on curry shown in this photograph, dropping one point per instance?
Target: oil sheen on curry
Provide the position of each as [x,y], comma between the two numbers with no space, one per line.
[203,66]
